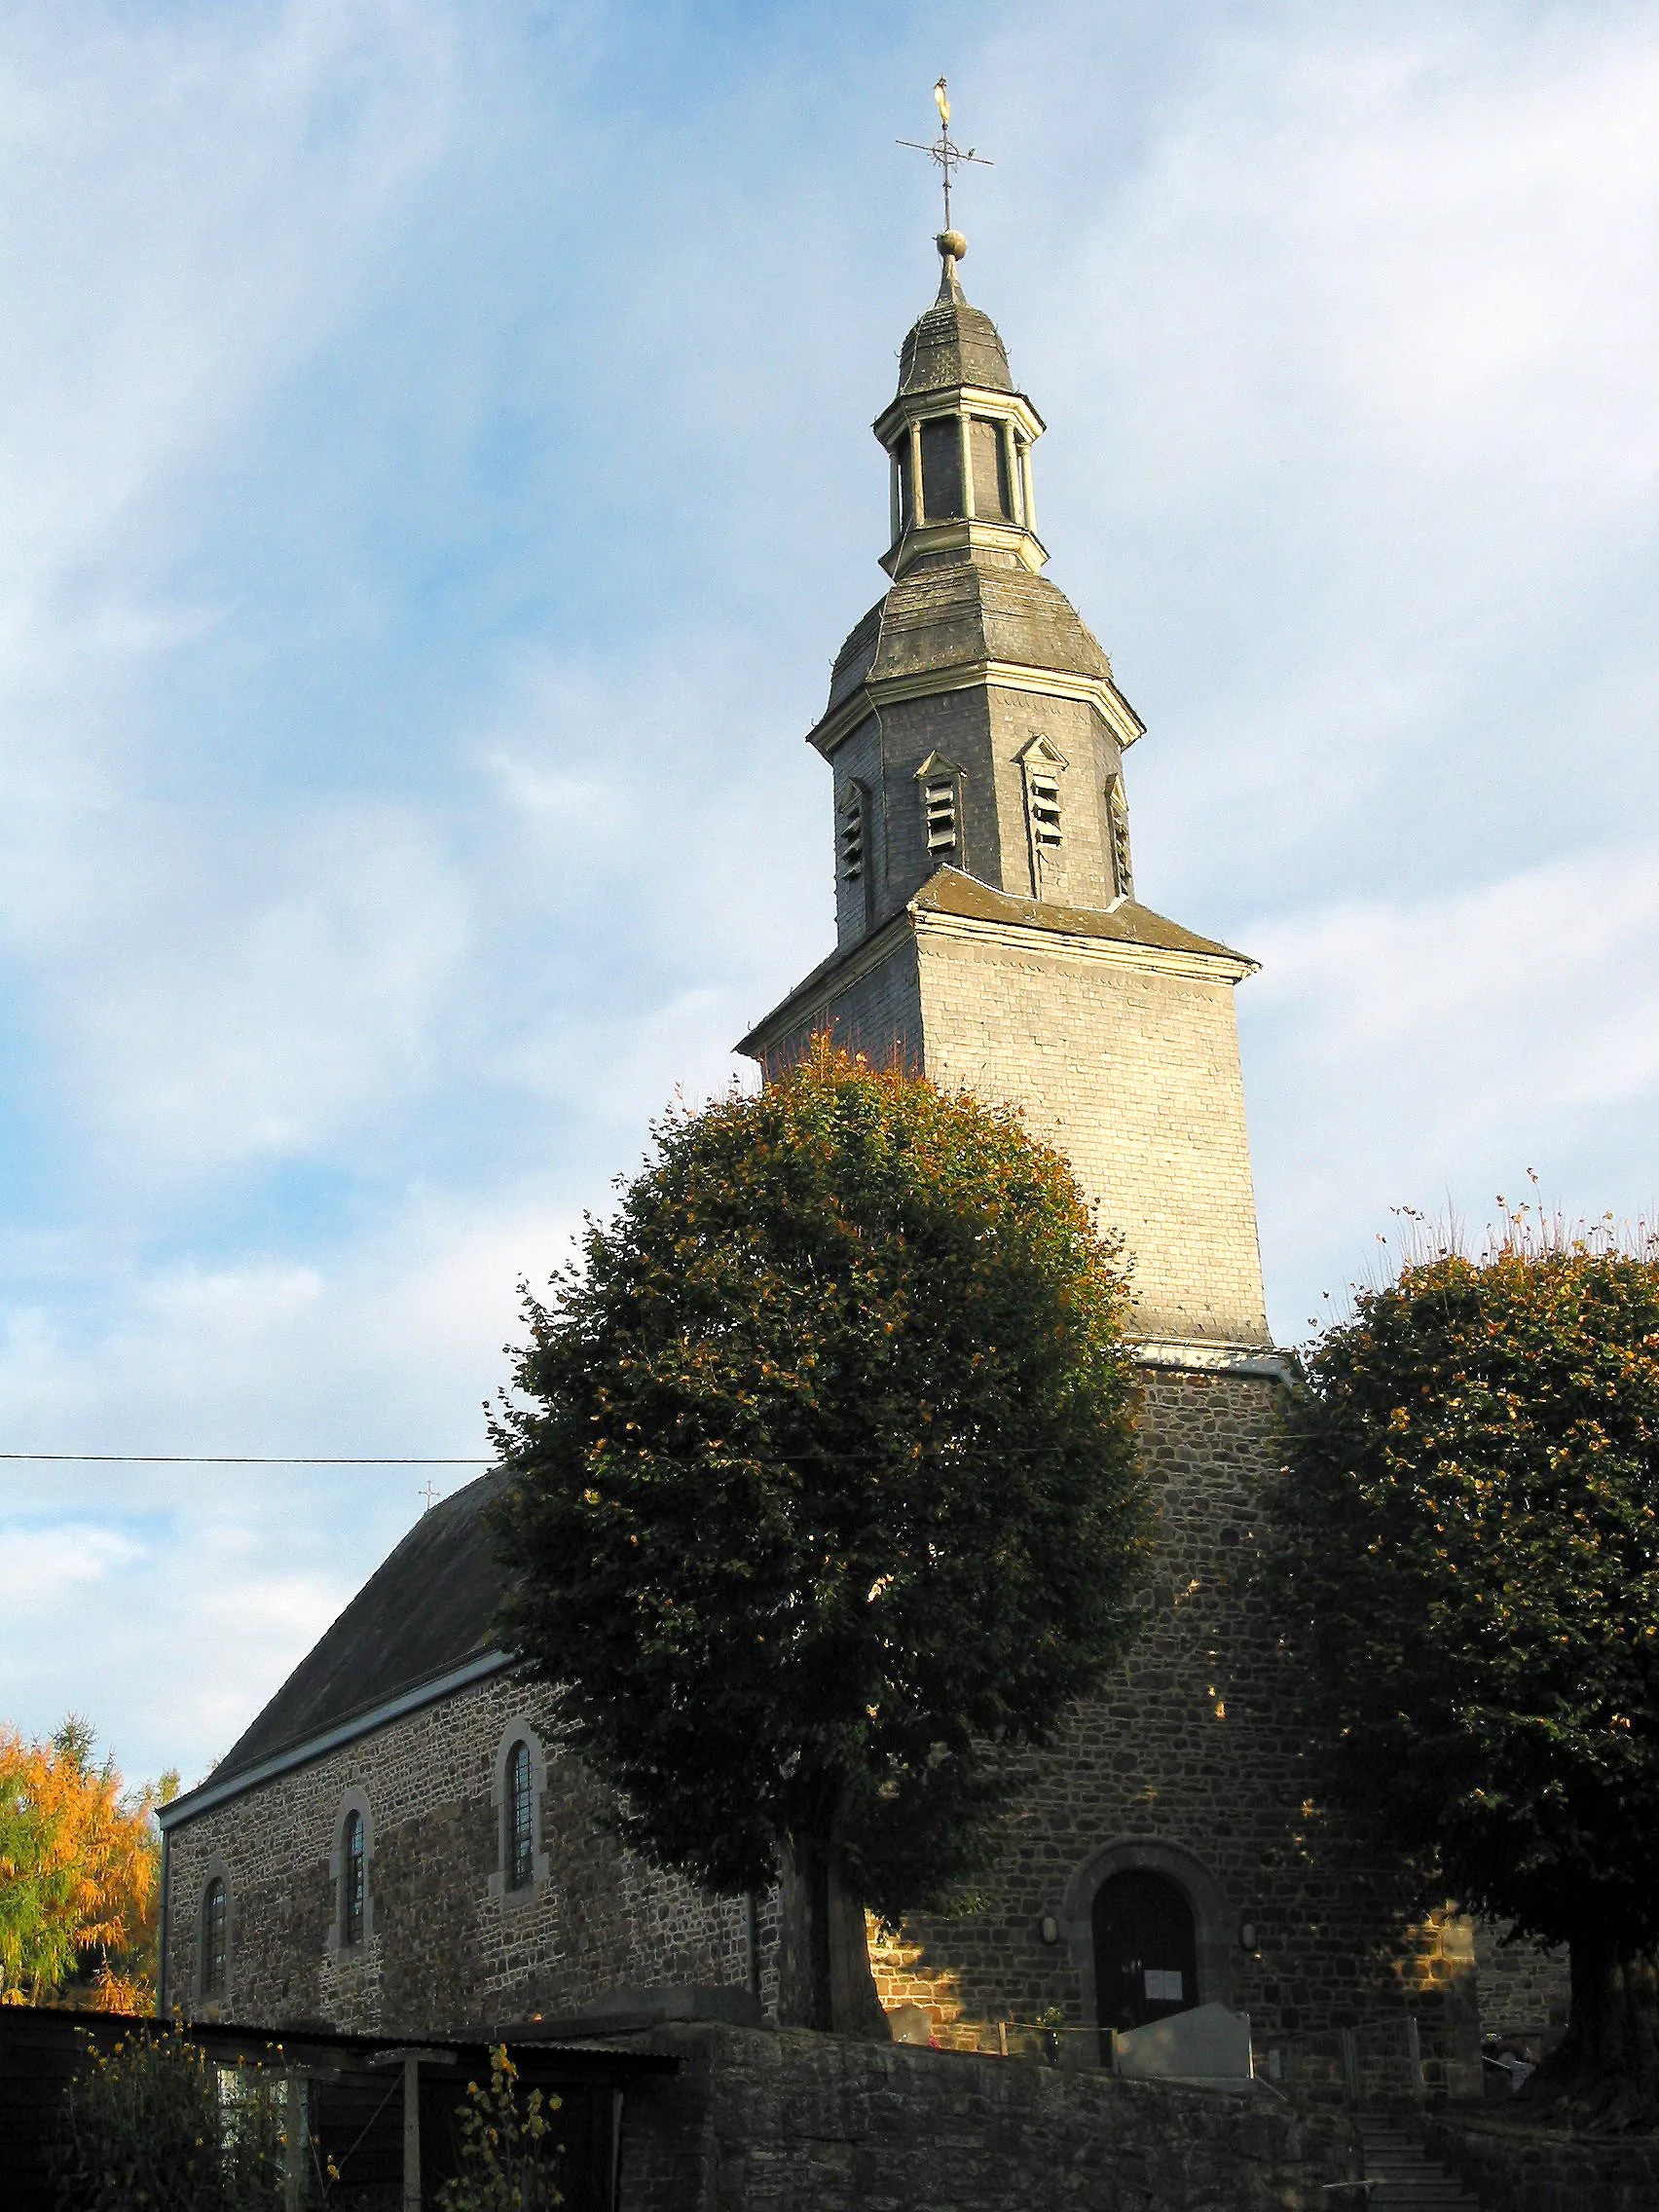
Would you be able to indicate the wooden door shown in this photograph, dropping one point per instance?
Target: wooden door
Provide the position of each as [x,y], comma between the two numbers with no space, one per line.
[1146,1953]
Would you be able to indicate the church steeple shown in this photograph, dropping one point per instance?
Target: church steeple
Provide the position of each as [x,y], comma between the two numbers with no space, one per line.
[959,436]
[972,720]
[987,920]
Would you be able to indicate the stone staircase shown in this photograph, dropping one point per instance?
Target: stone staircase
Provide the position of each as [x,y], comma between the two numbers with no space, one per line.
[1405,2178]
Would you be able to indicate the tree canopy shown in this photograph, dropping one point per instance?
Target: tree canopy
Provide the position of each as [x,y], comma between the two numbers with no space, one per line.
[1470,1531]
[78,1874]
[826,1494]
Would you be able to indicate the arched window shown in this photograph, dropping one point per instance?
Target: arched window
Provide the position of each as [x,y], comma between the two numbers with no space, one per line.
[519,1822]
[354,1878]
[216,1917]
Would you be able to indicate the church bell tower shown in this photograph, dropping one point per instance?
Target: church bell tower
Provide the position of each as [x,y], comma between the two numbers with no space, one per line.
[988,929]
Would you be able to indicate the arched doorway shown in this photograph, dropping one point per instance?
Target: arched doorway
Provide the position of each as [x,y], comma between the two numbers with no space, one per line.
[1146,1951]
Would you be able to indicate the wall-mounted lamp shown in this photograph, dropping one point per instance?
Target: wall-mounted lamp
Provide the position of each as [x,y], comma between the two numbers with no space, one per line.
[1049,1928]
[1246,1934]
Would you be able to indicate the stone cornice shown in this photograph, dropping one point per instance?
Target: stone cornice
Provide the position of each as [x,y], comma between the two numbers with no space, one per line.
[958,399]
[815,995]
[1204,1355]
[957,532]
[1114,709]
[1219,965]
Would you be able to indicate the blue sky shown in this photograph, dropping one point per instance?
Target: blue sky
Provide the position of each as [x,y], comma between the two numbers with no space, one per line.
[434,479]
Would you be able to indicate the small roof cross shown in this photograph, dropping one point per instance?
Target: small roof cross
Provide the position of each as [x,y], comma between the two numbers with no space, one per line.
[944,149]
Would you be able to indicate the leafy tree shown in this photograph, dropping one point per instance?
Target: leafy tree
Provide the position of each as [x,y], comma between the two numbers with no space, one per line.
[826,1496]
[79,1858]
[1471,1565]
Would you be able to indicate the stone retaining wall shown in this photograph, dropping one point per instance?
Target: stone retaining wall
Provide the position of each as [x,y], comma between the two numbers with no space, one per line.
[768,2121]
[1516,2168]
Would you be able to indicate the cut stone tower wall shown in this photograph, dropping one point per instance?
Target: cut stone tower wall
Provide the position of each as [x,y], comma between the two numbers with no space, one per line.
[1129,1067]
[1190,1763]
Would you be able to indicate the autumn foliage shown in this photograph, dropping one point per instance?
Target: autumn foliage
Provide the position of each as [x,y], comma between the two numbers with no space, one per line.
[78,1876]
[1470,1571]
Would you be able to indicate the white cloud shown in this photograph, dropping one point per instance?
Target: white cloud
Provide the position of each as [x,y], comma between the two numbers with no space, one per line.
[286,989]
[422,557]
[1351,371]
[191,208]
[38,1566]
[389,1346]
[1430,1053]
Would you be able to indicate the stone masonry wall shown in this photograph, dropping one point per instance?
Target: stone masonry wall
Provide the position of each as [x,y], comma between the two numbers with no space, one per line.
[1523,1987]
[1078,872]
[1134,1075]
[442,1955]
[1190,1762]
[799,2122]
[957,725]
[1514,2167]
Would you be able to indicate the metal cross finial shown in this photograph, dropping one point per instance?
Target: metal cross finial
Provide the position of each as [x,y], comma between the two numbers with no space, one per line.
[944,149]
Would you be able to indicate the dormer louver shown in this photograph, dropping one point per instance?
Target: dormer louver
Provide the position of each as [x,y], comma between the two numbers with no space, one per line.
[852,839]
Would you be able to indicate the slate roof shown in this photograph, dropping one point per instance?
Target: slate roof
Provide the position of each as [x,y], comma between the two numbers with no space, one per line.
[952,343]
[1127,922]
[422,1615]
[960,613]
[950,891]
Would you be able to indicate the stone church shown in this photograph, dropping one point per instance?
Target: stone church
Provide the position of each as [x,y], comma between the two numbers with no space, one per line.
[396,1846]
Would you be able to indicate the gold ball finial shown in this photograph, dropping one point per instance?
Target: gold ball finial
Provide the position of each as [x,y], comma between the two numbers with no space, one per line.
[952,245]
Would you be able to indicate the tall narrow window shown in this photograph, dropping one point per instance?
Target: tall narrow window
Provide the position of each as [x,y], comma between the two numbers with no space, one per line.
[852,836]
[354,1881]
[1118,818]
[992,496]
[907,482]
[213,1934]
[940,800]
[942,468]
[520,1819]
[1045,800]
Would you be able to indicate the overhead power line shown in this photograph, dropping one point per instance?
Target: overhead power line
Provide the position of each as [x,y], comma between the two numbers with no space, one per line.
[233,1459]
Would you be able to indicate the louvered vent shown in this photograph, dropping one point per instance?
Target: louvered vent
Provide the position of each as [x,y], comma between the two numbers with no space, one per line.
[1045,808]
[1122,876]
[942,817]
[853,840]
